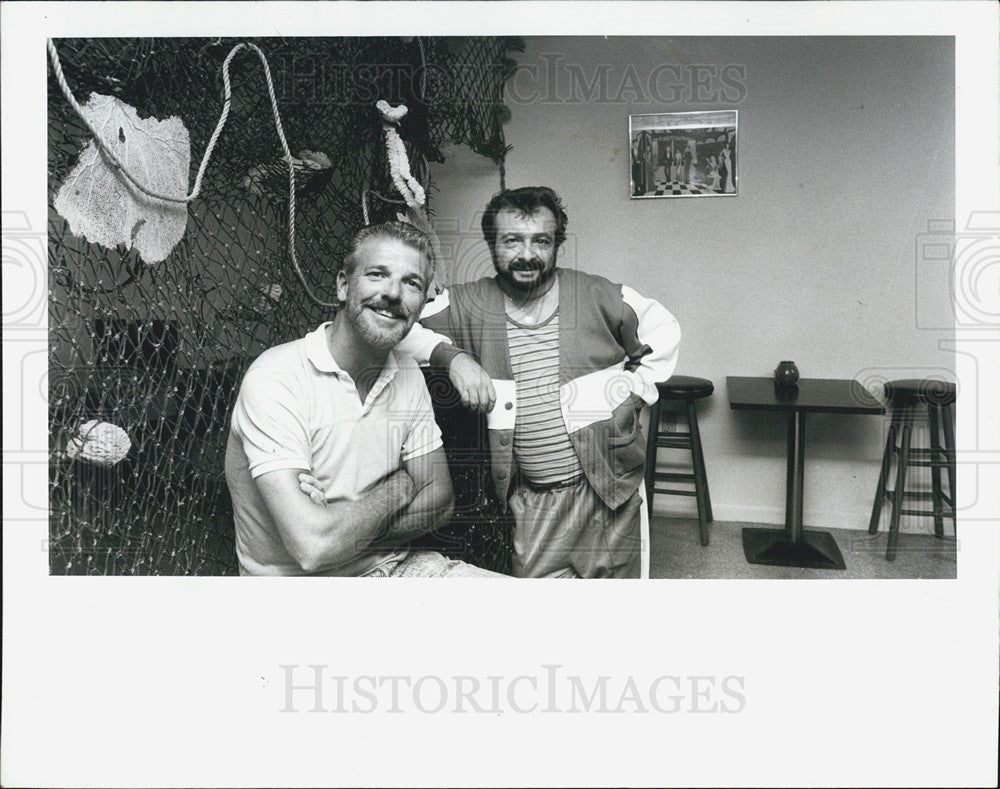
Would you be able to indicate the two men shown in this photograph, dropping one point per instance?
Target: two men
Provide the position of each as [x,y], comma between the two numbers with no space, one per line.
[569,360]
[334,461]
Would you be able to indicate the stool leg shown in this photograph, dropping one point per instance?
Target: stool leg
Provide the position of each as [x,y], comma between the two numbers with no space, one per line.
[949,445]
[897,497]
[700,480]
[704,474]
[935,453]
[890,449]
[652,434]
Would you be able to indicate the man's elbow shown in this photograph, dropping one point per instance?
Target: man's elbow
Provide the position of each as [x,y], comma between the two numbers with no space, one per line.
[313,555]
[309,563]
[447,510]
[445,504]
[307,557]
[435,513]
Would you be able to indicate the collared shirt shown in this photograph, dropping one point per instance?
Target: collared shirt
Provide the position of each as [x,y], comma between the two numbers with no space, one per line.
[297,409]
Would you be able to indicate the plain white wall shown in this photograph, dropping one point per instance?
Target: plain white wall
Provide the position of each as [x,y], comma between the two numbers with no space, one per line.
[845,154]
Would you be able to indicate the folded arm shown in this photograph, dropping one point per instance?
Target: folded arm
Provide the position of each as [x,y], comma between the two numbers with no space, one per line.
[433,501]
[431,507]
[321,536]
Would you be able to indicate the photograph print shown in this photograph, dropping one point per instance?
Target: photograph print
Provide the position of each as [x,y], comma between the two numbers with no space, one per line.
[683,154]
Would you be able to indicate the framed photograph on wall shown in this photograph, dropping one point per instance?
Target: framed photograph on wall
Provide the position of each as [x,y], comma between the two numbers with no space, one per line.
[683,154]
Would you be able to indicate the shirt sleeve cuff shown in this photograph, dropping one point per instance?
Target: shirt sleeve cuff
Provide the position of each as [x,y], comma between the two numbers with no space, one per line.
[443,355]
[275,465]
[425,449]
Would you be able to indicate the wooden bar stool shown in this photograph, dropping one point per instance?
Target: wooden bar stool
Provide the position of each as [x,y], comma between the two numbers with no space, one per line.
[686,389]
[906,397]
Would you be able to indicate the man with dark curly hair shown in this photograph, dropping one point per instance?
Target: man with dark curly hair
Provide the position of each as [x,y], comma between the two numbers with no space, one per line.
[566,360]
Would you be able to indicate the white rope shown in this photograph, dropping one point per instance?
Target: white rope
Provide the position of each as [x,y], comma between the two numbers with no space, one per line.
[120,167]
[366,192]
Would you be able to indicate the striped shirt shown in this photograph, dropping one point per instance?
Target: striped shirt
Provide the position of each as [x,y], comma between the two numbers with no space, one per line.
[542,447]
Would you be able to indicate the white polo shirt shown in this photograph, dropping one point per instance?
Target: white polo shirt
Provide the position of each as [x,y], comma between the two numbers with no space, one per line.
[298,409]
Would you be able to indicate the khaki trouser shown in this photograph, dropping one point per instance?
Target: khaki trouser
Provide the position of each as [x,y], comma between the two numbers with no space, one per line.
[569,532]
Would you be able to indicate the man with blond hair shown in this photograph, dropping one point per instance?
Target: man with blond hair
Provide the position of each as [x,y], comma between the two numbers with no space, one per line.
[334,460]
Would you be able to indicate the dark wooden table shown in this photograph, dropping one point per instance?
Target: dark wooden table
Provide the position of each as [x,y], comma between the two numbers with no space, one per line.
[794,547]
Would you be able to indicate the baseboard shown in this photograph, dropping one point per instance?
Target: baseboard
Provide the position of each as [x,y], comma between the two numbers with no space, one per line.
[816,519]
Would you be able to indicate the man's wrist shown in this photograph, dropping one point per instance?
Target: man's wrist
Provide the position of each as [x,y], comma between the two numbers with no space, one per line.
[444,354]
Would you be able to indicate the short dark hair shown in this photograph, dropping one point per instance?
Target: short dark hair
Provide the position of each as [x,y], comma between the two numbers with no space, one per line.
[410,235]
[526,200]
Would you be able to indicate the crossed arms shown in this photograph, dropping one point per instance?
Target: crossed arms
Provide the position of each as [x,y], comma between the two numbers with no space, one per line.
[321,535]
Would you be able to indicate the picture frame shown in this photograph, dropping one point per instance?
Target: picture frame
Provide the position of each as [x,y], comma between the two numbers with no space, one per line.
[683,154]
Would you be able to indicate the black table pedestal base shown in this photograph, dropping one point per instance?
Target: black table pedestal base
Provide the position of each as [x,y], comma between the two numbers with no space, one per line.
[815,549]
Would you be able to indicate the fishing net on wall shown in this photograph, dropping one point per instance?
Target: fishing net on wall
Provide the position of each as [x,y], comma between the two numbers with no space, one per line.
[145,357]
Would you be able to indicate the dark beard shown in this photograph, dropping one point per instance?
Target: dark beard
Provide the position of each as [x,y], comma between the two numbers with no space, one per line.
[527,287]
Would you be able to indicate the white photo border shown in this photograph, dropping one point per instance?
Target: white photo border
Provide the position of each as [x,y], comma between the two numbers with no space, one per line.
[178,681]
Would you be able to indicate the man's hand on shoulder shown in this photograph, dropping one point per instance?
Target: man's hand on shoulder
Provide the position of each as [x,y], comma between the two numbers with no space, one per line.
[473,384]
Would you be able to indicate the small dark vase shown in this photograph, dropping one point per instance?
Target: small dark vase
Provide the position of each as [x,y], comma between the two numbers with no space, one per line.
[786,374]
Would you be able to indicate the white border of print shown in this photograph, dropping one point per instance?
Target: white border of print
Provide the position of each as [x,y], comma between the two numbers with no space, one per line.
[176,681]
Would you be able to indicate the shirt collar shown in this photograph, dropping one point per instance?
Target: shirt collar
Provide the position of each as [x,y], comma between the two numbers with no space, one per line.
[318,352]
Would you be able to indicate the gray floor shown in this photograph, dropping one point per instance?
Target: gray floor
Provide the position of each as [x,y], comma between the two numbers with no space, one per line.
[675,552]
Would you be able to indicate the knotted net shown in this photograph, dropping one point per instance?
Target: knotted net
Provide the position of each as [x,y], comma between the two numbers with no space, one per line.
[157,350]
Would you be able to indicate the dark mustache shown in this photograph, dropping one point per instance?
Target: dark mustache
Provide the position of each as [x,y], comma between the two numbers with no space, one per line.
[526,265]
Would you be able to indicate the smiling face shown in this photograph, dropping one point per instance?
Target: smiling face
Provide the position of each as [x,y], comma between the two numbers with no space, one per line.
[524,252]
[383,295]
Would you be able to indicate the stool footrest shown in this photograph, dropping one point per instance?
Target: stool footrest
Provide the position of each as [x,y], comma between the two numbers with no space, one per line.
[944,513]
[665,476]
[674,441]
[923,495]
[673,492]
[928,463]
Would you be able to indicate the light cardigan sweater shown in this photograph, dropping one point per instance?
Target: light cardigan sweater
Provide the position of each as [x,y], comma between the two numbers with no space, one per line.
[612,343]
